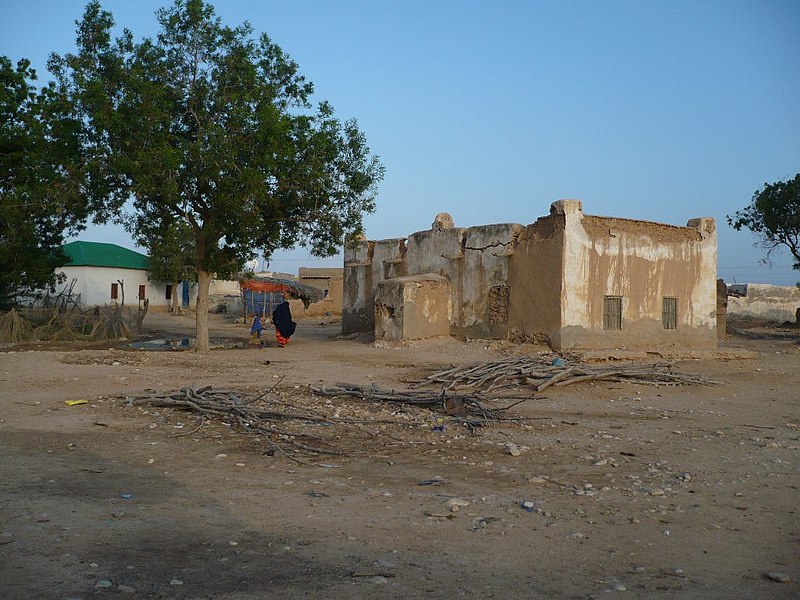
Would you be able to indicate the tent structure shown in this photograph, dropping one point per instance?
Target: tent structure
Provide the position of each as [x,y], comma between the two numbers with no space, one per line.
[262,294]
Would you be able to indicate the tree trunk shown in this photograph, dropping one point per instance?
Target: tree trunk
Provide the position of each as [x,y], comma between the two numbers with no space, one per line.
[176,297]
[201,332]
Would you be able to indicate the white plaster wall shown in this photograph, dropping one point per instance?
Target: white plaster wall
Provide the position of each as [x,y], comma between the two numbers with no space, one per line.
[94,285]
[223,287]
[773,302]
[704,296]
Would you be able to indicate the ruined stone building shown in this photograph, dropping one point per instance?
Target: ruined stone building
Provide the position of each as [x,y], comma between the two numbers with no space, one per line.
[572,280]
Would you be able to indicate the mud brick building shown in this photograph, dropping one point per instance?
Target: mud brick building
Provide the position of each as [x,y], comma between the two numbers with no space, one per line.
[572,280]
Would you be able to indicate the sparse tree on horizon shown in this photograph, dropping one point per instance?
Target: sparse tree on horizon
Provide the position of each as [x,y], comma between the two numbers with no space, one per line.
[774,215]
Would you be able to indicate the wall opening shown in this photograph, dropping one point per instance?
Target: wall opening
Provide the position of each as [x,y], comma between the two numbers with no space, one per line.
[168,295]
[612,313]
[669,313]
[115,291]
[142,292]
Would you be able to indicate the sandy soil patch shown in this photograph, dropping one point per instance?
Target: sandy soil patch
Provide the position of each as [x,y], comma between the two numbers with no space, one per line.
[617,489]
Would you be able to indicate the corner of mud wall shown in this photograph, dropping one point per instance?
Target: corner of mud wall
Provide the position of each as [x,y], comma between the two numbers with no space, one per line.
[412,307]
[440,252]
[535,276]
[358,296]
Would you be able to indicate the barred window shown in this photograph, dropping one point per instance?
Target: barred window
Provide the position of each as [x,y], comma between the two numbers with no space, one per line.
[669,313]
[612,313]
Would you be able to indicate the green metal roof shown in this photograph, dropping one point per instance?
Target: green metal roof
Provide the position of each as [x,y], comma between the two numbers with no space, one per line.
[95,254]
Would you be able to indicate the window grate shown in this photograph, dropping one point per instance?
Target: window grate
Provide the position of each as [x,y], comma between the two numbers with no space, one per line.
[669,313]
[612,313]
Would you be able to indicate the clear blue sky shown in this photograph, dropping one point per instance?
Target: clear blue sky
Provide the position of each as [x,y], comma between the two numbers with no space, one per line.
[662,111]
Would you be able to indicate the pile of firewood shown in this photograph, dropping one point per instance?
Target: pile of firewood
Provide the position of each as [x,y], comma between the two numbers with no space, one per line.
[247,412]
[542,371]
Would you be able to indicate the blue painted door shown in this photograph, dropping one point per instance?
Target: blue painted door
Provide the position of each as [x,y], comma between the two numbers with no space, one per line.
[185,294]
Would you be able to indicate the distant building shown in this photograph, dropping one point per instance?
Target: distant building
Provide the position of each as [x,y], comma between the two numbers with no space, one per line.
[762,301]
[319,278]
[329,280]
[104,273]
[100,273]
[572,280]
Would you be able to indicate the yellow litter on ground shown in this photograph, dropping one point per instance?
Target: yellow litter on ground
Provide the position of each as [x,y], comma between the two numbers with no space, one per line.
[75,402]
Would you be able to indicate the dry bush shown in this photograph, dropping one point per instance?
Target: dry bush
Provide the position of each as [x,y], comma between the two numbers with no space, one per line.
[56,325]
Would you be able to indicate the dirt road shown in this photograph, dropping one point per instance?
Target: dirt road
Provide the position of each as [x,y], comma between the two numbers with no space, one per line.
[637,491]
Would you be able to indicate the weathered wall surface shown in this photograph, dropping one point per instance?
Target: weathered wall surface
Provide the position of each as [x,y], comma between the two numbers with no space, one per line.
[412,307]
[773,302]
[330,305]
[642,262]
[357,290]
[475,260]
[440,251]
[94,285]
[366,264]
[486,293]
[535,281]
[549,280]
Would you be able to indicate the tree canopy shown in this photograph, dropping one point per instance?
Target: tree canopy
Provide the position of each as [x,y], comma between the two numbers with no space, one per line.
[42,177]
[208,131]
[774,214]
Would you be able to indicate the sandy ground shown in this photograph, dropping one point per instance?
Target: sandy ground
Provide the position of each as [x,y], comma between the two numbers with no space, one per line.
[638,491]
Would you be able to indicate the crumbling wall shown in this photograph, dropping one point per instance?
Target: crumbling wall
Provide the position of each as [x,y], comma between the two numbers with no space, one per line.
[642,263]
[358,297]
[366,264]
[535,279]
[412,307]
[330,305]
[440,251]
[486,293]
[475,260]
[762,301]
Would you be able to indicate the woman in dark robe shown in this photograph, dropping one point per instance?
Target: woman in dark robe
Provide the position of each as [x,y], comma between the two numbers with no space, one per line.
[284,326]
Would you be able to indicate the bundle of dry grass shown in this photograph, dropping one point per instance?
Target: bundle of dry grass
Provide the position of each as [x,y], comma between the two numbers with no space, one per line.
[55,325]
[14,329]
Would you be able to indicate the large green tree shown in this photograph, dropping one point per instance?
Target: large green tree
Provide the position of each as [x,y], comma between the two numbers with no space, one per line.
[210,128]
[774,214]
[41,180]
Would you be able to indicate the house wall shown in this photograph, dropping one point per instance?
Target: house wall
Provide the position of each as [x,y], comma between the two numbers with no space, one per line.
[412,307]
[642,262]
[476,262]
[485,301]
[535,281]
[357,310]
[330,305]
[440,251]
[94,285]
[548,281]
[773,302]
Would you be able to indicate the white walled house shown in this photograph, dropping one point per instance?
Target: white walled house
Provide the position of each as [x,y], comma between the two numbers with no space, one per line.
[104,273]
